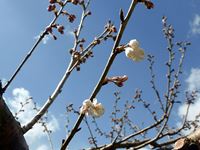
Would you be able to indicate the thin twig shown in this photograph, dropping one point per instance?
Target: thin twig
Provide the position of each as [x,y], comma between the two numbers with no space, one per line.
[151,61]
[172,90]
[166,118]
[83,16]
[91,134]
[143,130]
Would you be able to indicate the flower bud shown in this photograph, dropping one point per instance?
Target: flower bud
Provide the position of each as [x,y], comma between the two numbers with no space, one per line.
[61,29]
[51,7]
[71,18]
[52,1]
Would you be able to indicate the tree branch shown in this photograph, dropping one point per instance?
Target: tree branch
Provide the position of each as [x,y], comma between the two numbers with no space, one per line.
[105,72]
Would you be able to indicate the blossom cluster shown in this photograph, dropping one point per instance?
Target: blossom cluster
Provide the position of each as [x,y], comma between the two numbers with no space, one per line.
[133,51]
[94,108]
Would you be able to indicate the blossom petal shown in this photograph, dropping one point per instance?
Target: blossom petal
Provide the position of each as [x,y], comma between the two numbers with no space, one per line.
[98,110]
[86,105]
[134,44]
[94,101]
[136,54]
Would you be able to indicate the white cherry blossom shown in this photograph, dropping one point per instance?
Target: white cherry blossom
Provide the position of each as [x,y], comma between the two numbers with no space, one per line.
[133,51]
[94,108]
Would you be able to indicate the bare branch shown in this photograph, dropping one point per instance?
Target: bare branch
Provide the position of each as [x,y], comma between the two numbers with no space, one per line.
[151,61]
[107,67]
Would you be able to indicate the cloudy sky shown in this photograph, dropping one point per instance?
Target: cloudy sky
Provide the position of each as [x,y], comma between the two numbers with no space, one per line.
[22,22]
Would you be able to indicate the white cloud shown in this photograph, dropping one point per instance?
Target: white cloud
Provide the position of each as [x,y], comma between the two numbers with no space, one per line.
[43,147]
[69,32]
[3,81]
[195,25]
[194,79]
[45,39]
[194,110]
[193,82]
[36,134]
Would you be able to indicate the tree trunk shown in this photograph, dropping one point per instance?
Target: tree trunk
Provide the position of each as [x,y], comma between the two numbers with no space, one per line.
[11,135]
[191,142]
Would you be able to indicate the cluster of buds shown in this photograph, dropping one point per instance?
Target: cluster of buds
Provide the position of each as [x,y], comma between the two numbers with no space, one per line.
[52,6]
[71,17]
[76,2]
[97,41]
[94,108]
[60,29]
[80,43]
[147,3]
[56,1]
[81,59]
[110,27]
[117,80]
[168,30]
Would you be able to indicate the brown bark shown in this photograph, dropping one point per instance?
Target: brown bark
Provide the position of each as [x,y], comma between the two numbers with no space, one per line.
[11,135]
[190,142]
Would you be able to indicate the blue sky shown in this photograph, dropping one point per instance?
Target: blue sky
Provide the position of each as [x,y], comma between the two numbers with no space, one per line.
[23,21]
